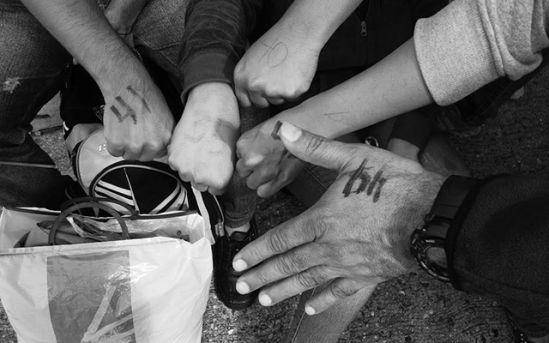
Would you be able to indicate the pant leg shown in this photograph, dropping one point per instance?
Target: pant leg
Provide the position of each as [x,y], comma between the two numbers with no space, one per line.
[31,70]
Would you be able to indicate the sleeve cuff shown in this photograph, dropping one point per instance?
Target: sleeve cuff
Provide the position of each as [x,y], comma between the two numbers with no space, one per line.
[453,53]
[207,67]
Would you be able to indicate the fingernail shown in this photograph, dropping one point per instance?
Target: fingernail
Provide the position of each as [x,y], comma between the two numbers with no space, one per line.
[242,287]
[290,132]
[310,311]
[240,265]
[265,300]
[276,128]
[254,160]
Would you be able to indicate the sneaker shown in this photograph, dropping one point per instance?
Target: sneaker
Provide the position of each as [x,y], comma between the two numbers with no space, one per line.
[225,277]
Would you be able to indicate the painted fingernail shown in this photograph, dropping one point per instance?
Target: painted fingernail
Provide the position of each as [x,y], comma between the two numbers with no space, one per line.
[290,132]
[240,265]
[310,311]
[265,300]
[242,287]
[277,126]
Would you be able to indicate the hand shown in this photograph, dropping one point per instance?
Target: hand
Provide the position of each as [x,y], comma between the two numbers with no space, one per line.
[138,123]
[122,14]
[278,67]
[203,143]
[358,233]
[264,161]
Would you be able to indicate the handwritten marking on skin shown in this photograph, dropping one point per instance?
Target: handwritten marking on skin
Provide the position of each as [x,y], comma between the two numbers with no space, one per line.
[11,84]
[367,183]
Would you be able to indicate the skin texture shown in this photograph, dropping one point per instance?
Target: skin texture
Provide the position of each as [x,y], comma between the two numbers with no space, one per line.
[138,123]
[202,149]
[336,112]
[356,236]
[281,64]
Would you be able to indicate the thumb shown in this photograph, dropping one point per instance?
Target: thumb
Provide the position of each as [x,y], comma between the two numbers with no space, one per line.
[314,149]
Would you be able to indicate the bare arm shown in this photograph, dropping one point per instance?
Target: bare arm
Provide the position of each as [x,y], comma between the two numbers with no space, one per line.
[391,87]
[122,14]
[81,27]
[281,64]
[138,123]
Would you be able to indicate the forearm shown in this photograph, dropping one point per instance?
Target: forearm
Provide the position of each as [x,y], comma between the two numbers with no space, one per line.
[317,19]
[215,39]
[125,13]
[391,87]
[81,27]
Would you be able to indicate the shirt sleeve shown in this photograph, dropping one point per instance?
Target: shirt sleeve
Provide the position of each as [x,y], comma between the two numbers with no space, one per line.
[215,38]
[497,245]
[470,43]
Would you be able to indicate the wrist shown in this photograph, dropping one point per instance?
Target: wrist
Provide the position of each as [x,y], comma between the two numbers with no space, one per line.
[213,101]
[430,241]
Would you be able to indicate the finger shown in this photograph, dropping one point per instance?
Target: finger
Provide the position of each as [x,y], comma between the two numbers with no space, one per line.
[115,150]
[275,100]
[151,152]
[199,187]
[315,149]
[337,290]
[242,169]
[132,153]
[245,166]
[280,267]
[297,284]
[284,237]
[260,176]
[242,97]
[289,169]
[258,100]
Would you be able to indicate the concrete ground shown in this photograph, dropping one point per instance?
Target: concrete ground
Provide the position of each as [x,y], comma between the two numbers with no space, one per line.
[415,307]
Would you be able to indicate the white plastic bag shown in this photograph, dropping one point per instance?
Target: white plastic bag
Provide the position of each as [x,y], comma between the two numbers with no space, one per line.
[150,290]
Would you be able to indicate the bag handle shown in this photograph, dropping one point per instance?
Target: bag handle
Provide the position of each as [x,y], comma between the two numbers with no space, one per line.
[88,199]
[88,204]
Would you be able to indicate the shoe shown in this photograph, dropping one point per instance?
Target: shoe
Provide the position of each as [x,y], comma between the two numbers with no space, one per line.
[225,277]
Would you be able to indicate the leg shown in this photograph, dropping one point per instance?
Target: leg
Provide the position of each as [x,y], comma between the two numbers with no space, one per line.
[329,325]
[30,74]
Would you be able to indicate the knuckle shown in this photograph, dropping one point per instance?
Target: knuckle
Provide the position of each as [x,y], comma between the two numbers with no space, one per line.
[277,241]
[311,278]
[286,265]
[339,290]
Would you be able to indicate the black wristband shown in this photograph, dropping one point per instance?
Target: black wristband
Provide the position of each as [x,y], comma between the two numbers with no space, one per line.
[439,223]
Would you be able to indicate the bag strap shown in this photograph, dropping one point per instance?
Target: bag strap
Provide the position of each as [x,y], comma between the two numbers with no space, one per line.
[79,200]
[88,204]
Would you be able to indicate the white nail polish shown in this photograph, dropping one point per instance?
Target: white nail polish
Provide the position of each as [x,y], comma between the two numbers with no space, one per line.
[310,311]
[290,132]
[242,287]
[239,265]
[265,300]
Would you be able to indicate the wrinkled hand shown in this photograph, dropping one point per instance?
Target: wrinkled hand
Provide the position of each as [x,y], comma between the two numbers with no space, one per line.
[357,234]
[264,161]
[138,123]
[278,67]
[203,143]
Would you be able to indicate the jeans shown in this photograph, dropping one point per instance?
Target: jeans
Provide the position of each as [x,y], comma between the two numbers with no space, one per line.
[31,73]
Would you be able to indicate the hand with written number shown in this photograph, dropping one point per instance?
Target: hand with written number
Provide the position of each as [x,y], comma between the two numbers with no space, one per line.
[203,143]
[138,123]
[278,67]
[355,236]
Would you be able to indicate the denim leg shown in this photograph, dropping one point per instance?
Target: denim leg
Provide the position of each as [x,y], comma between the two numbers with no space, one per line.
[239,202]
[158,33]
[325,327]
[30,74]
